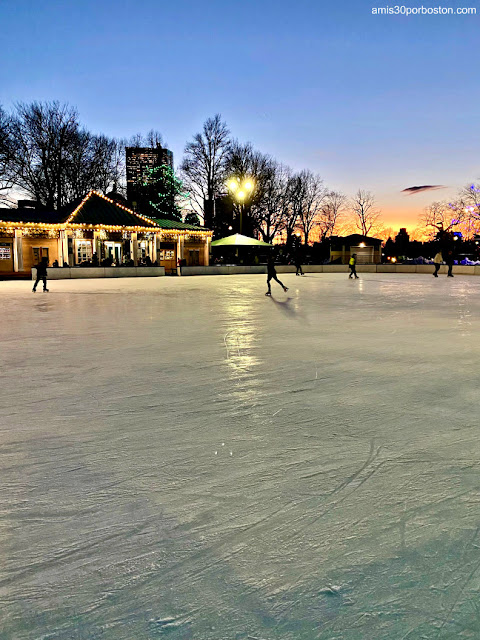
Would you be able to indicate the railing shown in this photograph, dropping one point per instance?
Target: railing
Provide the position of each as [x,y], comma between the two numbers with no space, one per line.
[65,273]
[329,268]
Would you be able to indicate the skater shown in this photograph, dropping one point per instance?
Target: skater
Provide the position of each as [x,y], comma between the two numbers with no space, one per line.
[41,274]
[449,263]
[298,264]
[352,264]
[437,261]
[272,274]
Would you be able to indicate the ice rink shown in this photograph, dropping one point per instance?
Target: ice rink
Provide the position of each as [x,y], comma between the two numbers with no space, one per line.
[185,458]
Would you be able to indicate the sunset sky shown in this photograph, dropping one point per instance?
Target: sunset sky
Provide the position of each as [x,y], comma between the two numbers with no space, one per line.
[376,102]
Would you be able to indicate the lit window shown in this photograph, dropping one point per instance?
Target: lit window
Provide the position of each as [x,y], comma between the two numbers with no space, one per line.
[84,251]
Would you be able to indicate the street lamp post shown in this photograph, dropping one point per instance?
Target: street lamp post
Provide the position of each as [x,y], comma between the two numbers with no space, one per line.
[240,189]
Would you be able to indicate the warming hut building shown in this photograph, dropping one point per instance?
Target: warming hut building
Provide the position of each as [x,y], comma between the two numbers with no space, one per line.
[368,250]
[97,225]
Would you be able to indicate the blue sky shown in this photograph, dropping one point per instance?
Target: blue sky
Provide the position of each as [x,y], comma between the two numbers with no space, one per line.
[374,102]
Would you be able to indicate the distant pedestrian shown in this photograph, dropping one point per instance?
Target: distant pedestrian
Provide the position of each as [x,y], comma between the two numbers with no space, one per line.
[437,261]
[41,274]
[352,263]
[449,262]
[272,275]
[298,264]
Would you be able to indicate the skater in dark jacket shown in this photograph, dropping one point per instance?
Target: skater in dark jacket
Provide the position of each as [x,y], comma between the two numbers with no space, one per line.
[352,263]
[272,275]
[449,263]
[297,261]
[41,274]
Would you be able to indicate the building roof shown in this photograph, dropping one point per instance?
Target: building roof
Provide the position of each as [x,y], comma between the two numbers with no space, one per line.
[355,239]
[173,224]
[96,209]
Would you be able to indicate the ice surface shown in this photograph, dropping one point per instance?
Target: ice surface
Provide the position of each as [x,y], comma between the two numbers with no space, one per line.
[186,458]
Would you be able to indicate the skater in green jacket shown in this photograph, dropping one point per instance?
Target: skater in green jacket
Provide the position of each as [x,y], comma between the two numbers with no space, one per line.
[352,264]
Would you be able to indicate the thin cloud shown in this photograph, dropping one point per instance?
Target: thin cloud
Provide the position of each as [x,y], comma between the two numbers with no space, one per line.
[425,187]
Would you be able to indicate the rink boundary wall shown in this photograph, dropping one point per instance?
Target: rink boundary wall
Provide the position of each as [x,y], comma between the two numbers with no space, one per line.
[65,273]
[330,268]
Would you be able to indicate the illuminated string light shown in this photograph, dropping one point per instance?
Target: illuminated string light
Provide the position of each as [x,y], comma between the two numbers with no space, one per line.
[152,226]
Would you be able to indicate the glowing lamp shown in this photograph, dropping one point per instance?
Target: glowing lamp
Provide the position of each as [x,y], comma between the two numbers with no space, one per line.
[248,186]
[233,185]
[240,195]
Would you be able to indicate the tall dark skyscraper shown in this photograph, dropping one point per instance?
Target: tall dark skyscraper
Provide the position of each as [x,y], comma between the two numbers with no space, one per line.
[138,160]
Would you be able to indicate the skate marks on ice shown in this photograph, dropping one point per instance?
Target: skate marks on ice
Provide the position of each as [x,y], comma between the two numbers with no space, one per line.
[363,596]
[286,523]
[300,535]
[239,349]
[236,343]
[346,488]
[464,322]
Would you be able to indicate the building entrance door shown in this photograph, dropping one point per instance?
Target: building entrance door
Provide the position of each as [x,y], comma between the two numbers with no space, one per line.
[194,257]
[113,250]
[39,253]
[141,251]
[364,254]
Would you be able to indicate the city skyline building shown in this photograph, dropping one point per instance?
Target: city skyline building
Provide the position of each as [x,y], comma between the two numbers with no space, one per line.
[137,161]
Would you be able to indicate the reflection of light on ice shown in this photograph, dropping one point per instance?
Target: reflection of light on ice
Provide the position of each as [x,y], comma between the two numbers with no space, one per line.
[237,344]
[239,315]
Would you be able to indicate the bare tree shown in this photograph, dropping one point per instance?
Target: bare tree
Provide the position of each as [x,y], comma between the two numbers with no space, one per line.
[6,152]
[295,203]
[243,162]
[204,165]
[42,135]
[465,212]
[152,139]
[387,233]
[311,194]
[365,214]
[441,217]
[91,164]
[470,196]
[274,208]
[118,167]
[53,160]
[332,211]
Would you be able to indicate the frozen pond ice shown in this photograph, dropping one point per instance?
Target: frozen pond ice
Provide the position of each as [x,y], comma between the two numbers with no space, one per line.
[186,458]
